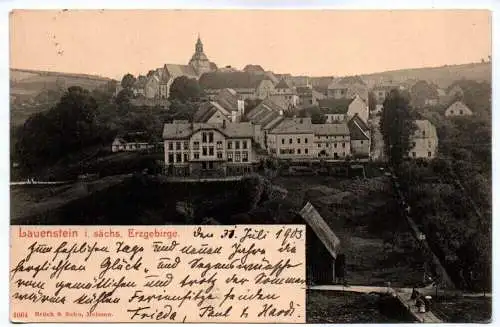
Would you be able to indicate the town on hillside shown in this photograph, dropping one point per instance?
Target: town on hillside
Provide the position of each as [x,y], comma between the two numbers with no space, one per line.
[391,176]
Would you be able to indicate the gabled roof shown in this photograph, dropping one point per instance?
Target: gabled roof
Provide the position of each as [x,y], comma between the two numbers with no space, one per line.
[330,129]
[320,228]
[266,114]
[282,85]
[233,80]
[334,106]
[293,126]
[457,105]
[231,130]
[207,110]
[174,71]
[358,128]
[228,98]
[204,112]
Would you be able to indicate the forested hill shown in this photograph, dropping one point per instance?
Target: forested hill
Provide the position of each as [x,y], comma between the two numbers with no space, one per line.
[32,82]
[443,76]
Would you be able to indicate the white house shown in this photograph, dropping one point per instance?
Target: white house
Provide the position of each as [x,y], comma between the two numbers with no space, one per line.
[457,109]
[338,110]
[424,141]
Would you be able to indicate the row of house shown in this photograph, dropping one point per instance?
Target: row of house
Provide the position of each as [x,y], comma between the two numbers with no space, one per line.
[229,148]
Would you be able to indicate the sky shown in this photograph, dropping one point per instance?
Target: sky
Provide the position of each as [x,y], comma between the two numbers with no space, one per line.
[301,42]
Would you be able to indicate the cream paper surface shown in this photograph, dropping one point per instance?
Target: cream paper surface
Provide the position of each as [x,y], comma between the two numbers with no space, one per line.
[244,273]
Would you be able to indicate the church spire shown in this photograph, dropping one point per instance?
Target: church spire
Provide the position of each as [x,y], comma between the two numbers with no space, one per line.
[199,45]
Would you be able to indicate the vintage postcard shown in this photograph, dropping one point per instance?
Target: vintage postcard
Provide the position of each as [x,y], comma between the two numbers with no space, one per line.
[250,166]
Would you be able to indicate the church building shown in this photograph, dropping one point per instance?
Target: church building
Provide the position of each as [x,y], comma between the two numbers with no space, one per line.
[160,80]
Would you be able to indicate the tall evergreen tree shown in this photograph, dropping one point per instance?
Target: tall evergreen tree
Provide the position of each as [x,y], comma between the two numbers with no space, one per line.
[397,126]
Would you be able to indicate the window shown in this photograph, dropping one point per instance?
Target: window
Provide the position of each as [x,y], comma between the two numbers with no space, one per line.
[298,140]
[335,145]
[237,144]
[319,145]
[196,155]
[229,144]
[178,157]
[196,145]
[186,157]
[451,112]
[298,151]
[244,156]
[219,155]
[170,145]
[282,141]
[429,144]
[290,141]
[244,143]
[205,151]
[211,137]
[219,145]
[461,112]
[204,137]
[237,156]
[306,151]
[170,157]
[211,151]
[177,145]
[414,144]
[343,145]
[429,154]
[305,140]
[361,141]
[230,156]
[423,133]
[186,145]
[414,154]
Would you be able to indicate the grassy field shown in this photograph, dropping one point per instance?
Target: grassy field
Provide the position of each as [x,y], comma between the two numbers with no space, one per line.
[376,241]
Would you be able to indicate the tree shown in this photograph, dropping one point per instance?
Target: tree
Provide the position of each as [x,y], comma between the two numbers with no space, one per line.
[185,89]
[122,100]
[66,128]
[372,102]
[421,92]
[396,126]
[128,81]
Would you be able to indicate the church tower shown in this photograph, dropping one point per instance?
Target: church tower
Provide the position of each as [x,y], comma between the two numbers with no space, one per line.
[199,60]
